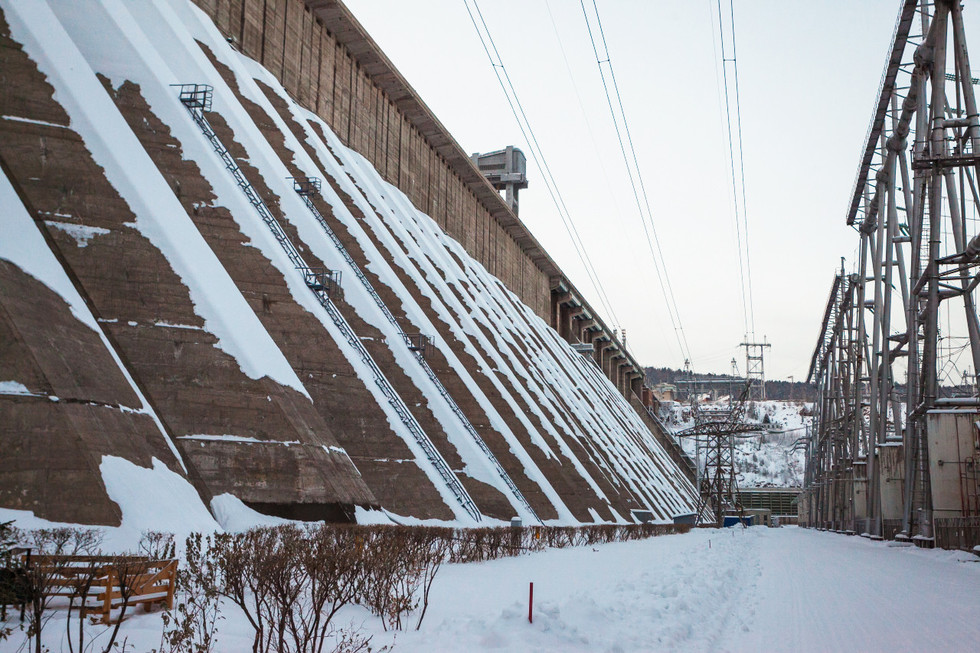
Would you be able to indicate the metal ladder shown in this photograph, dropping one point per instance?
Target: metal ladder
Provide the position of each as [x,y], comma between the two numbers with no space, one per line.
[307,189]
[197,99]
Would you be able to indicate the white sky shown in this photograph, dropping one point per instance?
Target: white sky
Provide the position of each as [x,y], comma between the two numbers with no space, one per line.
[808,74]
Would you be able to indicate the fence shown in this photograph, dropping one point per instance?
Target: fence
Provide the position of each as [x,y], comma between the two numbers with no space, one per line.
[957,532]
[105,583]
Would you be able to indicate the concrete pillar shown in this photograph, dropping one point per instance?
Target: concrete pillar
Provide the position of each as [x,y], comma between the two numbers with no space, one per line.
[860,495]
[564,322]
[610,350]
[557,299]
[636,383]
[588,335]
[625,375]
[594,338]
[574,314]
[616,370]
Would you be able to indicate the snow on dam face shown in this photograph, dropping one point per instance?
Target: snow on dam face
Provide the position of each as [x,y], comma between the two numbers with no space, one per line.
[214,285]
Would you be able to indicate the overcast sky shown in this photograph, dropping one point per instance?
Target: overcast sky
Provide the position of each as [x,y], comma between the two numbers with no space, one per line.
[808,74]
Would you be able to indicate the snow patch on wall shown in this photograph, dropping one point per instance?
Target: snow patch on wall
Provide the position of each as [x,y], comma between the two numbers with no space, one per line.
[155,499]
[23,245]
[235,517]
[80,232]
[14,388]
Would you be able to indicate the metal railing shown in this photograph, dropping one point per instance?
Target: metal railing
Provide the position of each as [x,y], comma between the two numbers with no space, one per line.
[309,187]
[196,97]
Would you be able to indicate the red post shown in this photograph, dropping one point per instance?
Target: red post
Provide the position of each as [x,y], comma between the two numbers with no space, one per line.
[530,604]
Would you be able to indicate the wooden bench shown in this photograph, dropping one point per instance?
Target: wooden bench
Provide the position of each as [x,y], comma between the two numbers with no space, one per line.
[143,580]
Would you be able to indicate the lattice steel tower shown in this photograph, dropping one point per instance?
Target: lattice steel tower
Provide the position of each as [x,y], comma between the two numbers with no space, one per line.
[755,367]
[715,431]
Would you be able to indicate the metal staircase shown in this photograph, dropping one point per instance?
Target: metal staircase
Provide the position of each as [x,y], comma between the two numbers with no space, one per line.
[197,99]
[307,189]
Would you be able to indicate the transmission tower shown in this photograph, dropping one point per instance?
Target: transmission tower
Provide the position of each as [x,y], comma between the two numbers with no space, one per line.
[755,367]
[715,431]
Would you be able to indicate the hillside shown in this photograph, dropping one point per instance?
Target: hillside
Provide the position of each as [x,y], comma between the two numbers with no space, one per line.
[778,390]
[767,457]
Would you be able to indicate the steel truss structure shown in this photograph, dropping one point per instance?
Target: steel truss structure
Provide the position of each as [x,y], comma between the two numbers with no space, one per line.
[755,367]
[899,331]
[715,432]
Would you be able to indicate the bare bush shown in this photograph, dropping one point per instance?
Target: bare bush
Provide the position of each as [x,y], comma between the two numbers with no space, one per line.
[42,581]
[334,562]
[12,583]
[157,545]
[126,573]
[290,582]
[391,577]
[80,584]
[192,625]
[66,541]
[353,640]
[430,552]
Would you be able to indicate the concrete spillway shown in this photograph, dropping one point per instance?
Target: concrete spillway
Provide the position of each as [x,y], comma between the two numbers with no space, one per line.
[153,309]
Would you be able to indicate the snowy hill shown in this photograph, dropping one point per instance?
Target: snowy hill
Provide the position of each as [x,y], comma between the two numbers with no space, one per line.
[766,458]
[166,307]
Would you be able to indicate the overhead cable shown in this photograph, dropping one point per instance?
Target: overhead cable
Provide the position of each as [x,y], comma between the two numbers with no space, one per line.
[537,154]
[635,177]
[738,180]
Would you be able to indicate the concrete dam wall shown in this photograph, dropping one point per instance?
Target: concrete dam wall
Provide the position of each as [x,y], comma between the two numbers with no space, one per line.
[302,299]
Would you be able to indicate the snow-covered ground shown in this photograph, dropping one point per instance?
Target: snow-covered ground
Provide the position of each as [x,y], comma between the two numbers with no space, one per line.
[766,458]
[753,589]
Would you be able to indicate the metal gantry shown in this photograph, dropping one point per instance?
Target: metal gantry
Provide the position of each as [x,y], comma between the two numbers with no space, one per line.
[900,329]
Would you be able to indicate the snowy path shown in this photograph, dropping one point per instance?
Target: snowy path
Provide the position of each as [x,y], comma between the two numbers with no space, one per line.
[754,590]
[758,589]
[822,591]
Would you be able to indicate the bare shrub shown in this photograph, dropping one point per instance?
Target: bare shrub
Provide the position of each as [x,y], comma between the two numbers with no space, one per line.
[388,578]
[42,581]
[430,552]
[192,625]
[66,541]
[80,584]
[281,574]
[157,545]
[259,571]
[237,580]
[334,562]
[290,582]
[127,574]
[353,640]
[13,590]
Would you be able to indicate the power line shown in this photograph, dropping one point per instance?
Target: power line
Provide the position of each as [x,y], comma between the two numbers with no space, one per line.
[741,163]
[537,155]
[745,270]
[636,178]
[588,125]
[728,133]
